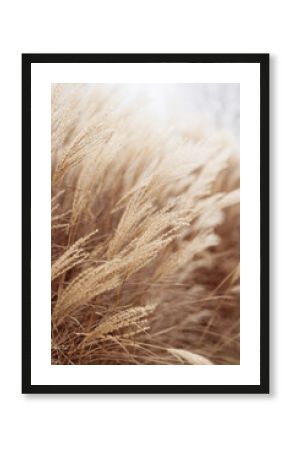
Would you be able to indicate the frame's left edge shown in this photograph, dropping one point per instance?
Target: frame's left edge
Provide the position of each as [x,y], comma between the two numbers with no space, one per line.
[26,224]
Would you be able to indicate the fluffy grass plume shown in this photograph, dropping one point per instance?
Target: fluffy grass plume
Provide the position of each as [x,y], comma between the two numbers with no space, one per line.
[145,235]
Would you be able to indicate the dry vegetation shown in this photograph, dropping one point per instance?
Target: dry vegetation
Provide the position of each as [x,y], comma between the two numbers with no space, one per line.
[145,236]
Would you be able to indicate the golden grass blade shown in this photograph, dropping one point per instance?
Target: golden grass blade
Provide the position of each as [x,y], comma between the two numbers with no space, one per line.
[189,357]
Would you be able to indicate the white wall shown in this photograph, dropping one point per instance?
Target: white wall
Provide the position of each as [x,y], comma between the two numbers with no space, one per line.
[207,422]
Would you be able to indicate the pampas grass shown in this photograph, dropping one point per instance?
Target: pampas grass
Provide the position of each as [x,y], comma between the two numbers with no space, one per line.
[145,235]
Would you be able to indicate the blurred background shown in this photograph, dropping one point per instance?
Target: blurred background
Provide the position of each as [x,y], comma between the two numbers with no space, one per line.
[215,105]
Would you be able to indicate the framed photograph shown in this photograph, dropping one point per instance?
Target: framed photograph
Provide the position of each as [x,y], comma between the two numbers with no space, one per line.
[145,223]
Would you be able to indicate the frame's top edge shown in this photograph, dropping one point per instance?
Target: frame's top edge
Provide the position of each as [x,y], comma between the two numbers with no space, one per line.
[144,57]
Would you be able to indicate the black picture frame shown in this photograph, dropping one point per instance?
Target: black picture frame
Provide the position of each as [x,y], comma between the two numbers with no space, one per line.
[27,61]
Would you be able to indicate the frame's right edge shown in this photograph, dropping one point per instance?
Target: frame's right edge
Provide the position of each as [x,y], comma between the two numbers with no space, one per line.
[264,223]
